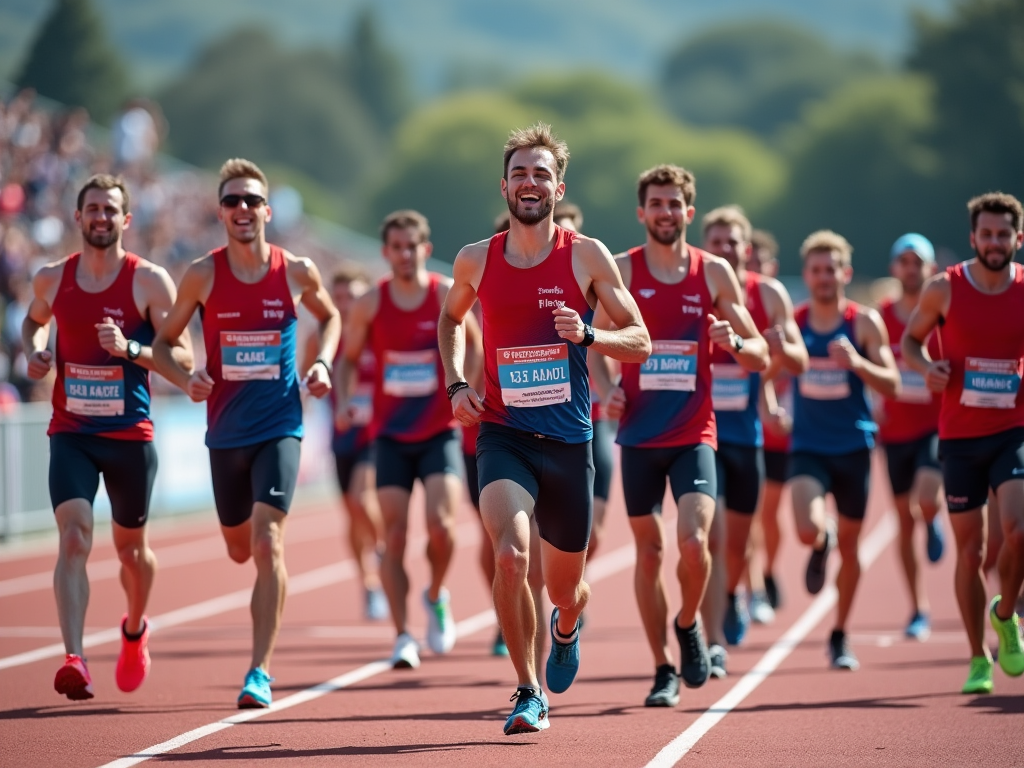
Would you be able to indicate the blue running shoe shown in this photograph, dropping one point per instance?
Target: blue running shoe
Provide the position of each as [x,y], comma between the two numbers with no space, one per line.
[564,658]
[256,691]
[530,713]
[736,619]
[919,627]
[936,540]
[499,648]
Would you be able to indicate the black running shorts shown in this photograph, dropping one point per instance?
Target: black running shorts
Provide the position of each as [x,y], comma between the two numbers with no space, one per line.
[740,472]
[559,476]
[905,459]
[688,468]
[266,472]
[346,463]
[472,479]
[845,477]
[776,466]
[402,464]
[128,468]
[972,465]
[604,436]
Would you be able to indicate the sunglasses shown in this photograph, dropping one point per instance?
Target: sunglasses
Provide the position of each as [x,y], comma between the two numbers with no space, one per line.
[233,201]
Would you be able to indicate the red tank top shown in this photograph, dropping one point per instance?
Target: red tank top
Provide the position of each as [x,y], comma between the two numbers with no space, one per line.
[96,393]
[983,339]
[783,384]
[410,404]
[668,398]
[915,413]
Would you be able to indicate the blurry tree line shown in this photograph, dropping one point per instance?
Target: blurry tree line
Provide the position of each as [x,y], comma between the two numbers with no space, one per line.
[767,115]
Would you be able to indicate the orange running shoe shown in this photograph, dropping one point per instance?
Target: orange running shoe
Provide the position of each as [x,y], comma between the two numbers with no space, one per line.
[73,679]
[133,663]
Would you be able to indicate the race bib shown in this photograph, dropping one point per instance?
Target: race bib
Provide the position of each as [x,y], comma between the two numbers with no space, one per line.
[990,383]
[913,388]
[410,374]
[824,380]
[250,355]
[361,404]
[730,387]
[531,377]
[94,390]
[671,366]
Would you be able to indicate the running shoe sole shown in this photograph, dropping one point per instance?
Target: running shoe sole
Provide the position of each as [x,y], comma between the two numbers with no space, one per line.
[247,701]
[69,682]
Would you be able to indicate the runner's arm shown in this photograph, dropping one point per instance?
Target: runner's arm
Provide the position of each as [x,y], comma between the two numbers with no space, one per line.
[35,328]
[785,343]
[735,321]
[170,337]
[926,318]
[356,332]
[611,395]
[877,367]
[317,300]
[452,331]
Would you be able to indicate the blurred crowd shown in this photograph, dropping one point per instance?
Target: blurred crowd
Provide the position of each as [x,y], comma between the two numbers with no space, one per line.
[46,154]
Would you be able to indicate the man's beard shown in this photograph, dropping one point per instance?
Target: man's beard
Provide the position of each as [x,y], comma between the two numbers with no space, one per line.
[101,239]
[983,259]
[248,237]
[670,239]
[529,218]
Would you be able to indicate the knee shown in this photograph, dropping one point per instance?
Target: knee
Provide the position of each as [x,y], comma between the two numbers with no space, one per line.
[266,549]
[849,548]
[971,555]
[649,557]
[693,549]
[75,541]
[563,595]
[238,551]
[511,562]
[131,555]
[1013,537]
[440,528]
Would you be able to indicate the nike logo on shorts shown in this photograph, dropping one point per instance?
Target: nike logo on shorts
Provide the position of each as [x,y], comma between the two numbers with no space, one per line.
[700,482]
[275,492]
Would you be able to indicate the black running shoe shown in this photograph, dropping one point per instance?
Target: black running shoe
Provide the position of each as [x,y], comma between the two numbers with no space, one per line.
[665,692]
[772,590]
[717,658]
[815,576]
[694,666]
[840,653]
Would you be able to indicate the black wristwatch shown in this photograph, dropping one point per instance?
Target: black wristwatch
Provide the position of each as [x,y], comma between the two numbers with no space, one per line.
[588,335]
[737,342]
[134,349]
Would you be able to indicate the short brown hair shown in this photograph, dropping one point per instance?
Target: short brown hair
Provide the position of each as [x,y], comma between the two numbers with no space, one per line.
[762,239]
[728,216]
[104,181]
[349,272]
[239,168]
[667,175]
[564,210]
[996,202]
[405,219]
[538,135]
[827,240]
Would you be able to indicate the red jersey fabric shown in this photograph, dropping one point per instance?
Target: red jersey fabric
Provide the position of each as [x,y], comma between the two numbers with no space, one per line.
[915,413]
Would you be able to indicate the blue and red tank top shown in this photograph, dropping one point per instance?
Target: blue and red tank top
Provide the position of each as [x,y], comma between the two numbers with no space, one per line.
[735,391]
[357,437]
[95,392]
[915,412]
[831,413]
[668,398]
[535,381]
[983,339]
[410,404]
[250,330]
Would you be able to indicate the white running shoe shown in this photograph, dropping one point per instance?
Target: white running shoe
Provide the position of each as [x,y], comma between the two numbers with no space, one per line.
[406,654]
[761,611]
[440,625]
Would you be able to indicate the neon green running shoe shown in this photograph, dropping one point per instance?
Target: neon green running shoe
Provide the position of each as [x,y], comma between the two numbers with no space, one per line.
[979,679]
[1011,655]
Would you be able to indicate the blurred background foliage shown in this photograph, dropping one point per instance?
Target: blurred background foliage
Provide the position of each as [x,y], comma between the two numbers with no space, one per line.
[771,113]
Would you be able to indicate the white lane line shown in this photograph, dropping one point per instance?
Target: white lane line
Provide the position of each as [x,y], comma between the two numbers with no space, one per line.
[875,543]
[602,568]
[305,582]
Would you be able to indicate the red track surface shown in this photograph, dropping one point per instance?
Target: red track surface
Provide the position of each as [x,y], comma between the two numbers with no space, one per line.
[903,708]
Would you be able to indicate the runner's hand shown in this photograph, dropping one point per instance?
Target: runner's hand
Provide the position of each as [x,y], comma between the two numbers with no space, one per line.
[467,407]
[569,324]
[720,332]
[779,423]
[39,364]
[343,421]
[775,337]
[317,381]
[111,338]
[199,386]
[615,404]
[842,353]
[937,376]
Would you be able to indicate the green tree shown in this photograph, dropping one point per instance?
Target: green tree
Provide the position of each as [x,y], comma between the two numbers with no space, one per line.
[374,73]
[71,61]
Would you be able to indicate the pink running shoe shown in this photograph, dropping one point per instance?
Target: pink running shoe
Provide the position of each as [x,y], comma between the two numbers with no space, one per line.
[73,679]
[133,663]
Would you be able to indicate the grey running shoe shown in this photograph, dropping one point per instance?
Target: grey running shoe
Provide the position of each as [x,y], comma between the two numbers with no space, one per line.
[665,692]
[718,657]
[815,576]
[840,653]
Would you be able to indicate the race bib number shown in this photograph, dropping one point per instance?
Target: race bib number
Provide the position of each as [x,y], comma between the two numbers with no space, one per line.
[250,355]
[532,377]
[990,383]
[410,374]
[913,389]
[730,387]
[94,390]
[824,380]
[361,404]
[671,366]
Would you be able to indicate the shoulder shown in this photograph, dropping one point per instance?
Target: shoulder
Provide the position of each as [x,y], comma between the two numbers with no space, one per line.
[715,267]
[152,278]
[365,307]
[300,268]
[473,255]
[590,248]
[202,267]
[867,317]
[49,275]
[624,263]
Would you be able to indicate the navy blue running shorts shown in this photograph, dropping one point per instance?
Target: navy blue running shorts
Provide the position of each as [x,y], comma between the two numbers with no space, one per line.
[844,476]
[402,464]
[688,469]
[972,465]
[905,459]
[266,472]
[740,470]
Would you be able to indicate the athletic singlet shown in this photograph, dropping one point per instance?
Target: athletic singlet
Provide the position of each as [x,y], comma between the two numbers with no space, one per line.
[831,414]
[668,398]
[410,404]
[249,330]
[536,381]
[734,390]
[915,413]
[357,436]
[95,392]
[983,339]
[783,384]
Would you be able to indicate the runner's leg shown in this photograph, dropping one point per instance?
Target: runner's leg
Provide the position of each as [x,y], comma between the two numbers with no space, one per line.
[268,594]
[70,581]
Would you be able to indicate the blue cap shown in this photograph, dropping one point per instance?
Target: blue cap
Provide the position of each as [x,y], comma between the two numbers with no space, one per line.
[912,241]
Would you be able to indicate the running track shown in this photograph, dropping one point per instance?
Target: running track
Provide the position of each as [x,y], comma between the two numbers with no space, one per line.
[336,704]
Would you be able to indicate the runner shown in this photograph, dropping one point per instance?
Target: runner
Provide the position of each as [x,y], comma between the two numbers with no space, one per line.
[247,293]
[107,304]
[534,451]
[908,429]
[981,421]
[736,395]
[415,433]
[833,433]
[666,423]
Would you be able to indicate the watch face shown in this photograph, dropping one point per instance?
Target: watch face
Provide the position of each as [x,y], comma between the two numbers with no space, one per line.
[134,349]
